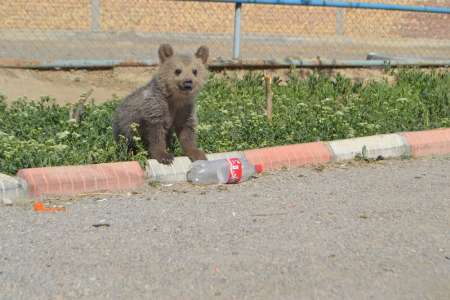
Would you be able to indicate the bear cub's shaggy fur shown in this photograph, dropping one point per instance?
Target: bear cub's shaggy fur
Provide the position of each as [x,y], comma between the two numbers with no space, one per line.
[166,105]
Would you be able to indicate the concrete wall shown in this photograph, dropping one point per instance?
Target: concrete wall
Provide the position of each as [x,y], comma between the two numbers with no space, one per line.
[167,16]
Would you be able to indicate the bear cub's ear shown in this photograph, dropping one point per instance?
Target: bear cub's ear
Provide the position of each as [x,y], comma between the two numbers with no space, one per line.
[165,51]
[202,53]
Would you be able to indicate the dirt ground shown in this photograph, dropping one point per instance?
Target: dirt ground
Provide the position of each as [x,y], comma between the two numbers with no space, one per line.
[67,86]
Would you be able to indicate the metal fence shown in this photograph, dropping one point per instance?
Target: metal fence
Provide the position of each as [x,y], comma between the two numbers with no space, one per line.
[92,33]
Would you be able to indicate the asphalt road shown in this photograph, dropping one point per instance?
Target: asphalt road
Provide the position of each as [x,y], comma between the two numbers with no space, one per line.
[354,231]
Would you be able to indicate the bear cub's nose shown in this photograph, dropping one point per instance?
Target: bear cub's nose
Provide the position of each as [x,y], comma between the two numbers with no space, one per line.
[187,85]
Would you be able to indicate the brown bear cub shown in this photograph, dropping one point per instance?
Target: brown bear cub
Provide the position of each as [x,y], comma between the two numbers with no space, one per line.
[166,105]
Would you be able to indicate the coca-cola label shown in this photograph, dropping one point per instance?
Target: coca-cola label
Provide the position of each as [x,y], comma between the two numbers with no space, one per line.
[235,167]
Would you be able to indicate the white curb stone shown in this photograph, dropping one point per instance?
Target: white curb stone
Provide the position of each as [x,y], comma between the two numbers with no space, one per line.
[215,156]
[385,145]
[12,189]
[179,168]
[175,172]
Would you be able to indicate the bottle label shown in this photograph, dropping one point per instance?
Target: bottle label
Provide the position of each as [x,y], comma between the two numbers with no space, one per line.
[235,173]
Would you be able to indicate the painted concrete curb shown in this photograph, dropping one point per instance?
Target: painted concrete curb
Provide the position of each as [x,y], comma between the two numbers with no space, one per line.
[273,158]
[12,189]
[73,180]
[430,142]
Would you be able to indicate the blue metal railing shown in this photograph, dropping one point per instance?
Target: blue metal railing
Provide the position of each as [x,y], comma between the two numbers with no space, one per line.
[322,3]
[340,4]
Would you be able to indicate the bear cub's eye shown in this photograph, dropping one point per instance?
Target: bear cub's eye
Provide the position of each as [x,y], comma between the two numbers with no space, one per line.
[194,72]
[177,72]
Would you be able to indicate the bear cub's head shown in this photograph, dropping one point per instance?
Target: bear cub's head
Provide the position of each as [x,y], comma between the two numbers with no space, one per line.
[183,75]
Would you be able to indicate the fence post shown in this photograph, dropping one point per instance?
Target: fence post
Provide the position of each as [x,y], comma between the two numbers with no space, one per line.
[269,95]
[237,30]
[95,16]
[340,21]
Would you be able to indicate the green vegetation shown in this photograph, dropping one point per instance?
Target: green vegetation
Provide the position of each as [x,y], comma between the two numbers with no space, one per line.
[232,117]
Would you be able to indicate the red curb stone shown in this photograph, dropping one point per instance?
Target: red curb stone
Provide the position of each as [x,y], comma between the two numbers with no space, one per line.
[72,180]
[274,158]
[429,142]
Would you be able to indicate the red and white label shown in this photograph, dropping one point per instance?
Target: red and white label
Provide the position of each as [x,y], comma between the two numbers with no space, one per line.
[235,167]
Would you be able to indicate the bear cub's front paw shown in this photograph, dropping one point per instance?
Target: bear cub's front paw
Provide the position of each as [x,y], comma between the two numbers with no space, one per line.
[197,154]
[164,158]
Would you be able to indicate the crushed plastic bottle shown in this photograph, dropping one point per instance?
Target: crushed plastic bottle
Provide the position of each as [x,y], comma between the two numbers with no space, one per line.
[227,170]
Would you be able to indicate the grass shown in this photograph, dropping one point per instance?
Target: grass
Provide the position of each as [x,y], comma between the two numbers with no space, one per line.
[232,117]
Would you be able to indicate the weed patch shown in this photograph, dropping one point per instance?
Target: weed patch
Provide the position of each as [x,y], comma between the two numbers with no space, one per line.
[232,117]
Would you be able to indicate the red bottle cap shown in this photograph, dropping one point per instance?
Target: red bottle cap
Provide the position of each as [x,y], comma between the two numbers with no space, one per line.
[259,168]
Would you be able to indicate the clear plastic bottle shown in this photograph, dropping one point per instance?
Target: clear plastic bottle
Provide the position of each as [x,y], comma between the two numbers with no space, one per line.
[229,170]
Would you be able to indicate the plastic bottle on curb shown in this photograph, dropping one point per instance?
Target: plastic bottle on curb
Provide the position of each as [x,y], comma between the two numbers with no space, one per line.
[227,170]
